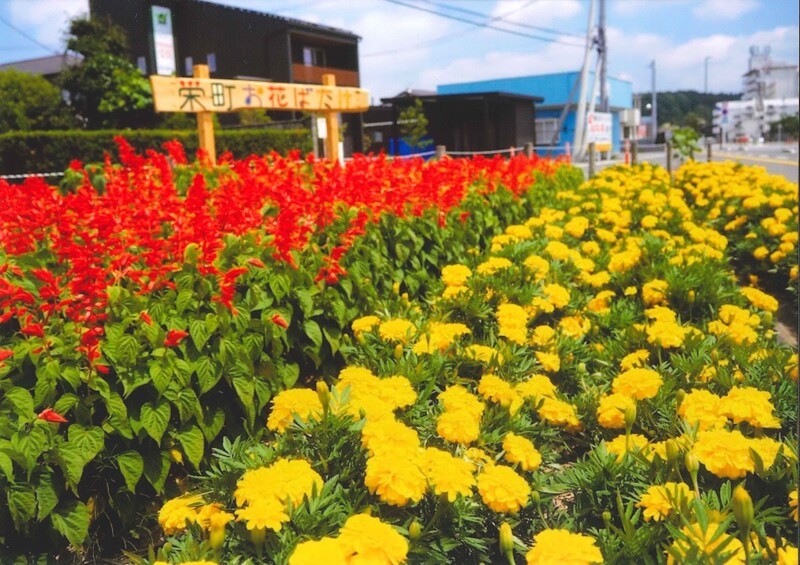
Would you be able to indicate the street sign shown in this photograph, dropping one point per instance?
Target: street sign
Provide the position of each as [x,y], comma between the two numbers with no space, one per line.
[203,96]
[598,130]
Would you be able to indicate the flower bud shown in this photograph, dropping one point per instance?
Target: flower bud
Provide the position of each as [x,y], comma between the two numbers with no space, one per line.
[216,537]
[768,319]
[398,352]
[672,450]
[257,536]
[535,497]
[506,539]
[679,397]
[692,462]
[692,296]
[630,415]
[396,288]
[415,530]
[742,508]
[324,394]
[607,519]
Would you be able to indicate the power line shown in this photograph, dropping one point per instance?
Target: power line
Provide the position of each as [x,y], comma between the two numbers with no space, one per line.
[503,16]
[485,24]
[28,37]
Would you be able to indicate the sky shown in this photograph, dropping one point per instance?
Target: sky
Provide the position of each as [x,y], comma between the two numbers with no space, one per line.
[404,45]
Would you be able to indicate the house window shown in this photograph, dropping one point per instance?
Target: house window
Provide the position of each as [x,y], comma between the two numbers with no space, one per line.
[211,61]
[313,57]
[189,64]
[546,128]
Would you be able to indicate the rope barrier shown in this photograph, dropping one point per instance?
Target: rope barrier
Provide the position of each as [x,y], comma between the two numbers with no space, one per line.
[27,175]
[491,152]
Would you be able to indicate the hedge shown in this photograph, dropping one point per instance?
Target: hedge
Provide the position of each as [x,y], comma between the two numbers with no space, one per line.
[52,151]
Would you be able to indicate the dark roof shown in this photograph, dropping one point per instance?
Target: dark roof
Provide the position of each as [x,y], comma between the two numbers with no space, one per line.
[406,98]
[50,65]
[291,22]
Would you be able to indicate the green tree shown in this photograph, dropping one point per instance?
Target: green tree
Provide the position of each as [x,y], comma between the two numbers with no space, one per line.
[788,127]
[414,125]
[31,103]
[105,90]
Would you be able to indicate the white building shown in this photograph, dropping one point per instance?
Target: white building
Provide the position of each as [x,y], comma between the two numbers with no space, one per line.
[769,92]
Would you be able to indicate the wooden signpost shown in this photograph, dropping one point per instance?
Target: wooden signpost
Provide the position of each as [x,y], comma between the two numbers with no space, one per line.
[203,96]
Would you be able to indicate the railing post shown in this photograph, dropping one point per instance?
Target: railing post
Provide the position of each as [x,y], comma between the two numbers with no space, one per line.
[635,153]
[668,147]
[332,124]
[591,160]
[529,149]
[708,151]
[441,151]
[205,122]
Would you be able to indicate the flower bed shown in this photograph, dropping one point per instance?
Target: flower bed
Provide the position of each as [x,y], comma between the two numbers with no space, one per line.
[593,385]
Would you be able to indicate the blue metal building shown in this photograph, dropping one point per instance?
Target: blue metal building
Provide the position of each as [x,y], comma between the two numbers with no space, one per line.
[555,89]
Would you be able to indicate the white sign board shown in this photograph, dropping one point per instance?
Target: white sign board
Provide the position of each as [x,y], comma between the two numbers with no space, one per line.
[163,41]
[599,126]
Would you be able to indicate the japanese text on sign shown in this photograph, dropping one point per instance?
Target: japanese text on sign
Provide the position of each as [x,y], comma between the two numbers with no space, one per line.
[173,94]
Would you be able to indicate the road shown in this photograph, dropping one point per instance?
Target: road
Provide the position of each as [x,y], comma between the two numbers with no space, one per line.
[777,158]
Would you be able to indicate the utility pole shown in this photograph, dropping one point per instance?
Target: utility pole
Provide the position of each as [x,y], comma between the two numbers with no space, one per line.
[654,114]
[705,81]
[580,115]
[603,48]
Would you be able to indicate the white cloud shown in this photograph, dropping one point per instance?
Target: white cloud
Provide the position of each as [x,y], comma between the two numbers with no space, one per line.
[38,16]
[539,13]
[724,9]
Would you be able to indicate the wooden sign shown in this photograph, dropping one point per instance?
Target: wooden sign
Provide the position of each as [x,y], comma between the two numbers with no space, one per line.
[176,94]
[203,96]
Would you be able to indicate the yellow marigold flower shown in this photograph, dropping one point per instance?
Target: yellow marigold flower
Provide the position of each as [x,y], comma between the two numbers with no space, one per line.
[364,324]
[635,359]
[760,300]
[725,454]
[559,413]
[793,273]
[611,410]
[263,513]
[540,304]
[396,390]
[448,475]
[538,266]
[630,291]
[793,368]
[209,514]
[760,253]
[550,362]
[492,265]
[502,489]
[660,500]
[477,457]
[495,389]
[622,444]
[557,250]
[388,436]
[624,261]
[396,478]
[536,387]
[440,337]
[176,512]
[367,540]
[396,330]
[553,232]
[600,303]
[638,383]
[577,226]
[590,248]
[458,426]
[283,480]
[456,275]
[574,326]
[649,221]
[655,292]
[457,398]
[561,546]
[793,504]
[705,542]
[701,407]
[665,334]
[787,555]
[596,280]
[542,336]
[766,448]
[453,291]
[513,322]
[325,550]
[748,404]
[605,235]
[661,314]
[301,402]
[520,450]
[483,353]
[556,295]
[519,232]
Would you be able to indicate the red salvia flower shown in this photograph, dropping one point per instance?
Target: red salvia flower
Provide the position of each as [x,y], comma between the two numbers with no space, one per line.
[146,318]
[279,320]
[174,337]
[50,415]
[5,354]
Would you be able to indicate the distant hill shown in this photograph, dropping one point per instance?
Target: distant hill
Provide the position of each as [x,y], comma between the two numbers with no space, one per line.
[687,108]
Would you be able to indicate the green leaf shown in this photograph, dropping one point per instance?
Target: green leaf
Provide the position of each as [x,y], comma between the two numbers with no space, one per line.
[21,504]
[156,469]
[245,389]
[72,521]
[306,301]
[20,400]
[184,299]
[72,461]
[7,467]
[279,285]
[199,333]
[228,351]
[155,418]
[208,373]
[212,423]
[131,465]
[182,372]
[160,375]
[89,440]
[311,329]
[333,335]
[289,373]
[30,443]
[191,440]
[127,350]
[71,375]
[188,405]
[46,493]
[118,415]
[65,403]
